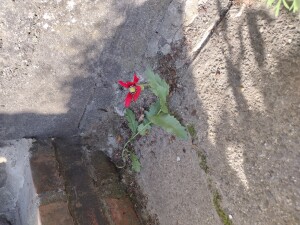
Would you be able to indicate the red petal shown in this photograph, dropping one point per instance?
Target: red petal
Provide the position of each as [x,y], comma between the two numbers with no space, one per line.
[123,84]
[135,79]
[130,84]
[128,100]
[137,93]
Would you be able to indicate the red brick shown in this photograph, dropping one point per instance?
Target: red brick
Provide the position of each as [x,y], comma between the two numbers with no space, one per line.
[56,213]
[121,211]
[44,168]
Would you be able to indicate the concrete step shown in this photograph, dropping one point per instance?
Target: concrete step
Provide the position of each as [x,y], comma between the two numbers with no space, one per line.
[60,182]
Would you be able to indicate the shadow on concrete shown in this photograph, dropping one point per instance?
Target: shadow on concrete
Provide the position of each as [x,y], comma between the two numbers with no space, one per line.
[97,72]
[255,148]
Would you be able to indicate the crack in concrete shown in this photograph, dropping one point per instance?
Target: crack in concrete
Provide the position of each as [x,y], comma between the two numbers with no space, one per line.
[209,32]
[86,105]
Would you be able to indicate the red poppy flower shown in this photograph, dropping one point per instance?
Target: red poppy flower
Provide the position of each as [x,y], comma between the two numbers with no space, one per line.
[134,90]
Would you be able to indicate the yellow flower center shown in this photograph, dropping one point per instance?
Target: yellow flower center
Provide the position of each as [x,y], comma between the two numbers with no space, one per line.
[132,89]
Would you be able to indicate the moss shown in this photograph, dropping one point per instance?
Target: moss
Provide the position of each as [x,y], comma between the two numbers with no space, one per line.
[217,203]
[191,130]
[203,162]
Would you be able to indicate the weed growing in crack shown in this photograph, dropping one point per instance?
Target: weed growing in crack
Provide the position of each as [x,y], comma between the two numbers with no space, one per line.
[217,203]
[202,161]
[192,131]
[158,114]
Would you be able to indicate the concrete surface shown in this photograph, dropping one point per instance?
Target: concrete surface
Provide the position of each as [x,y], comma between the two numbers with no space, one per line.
[242,96]
[60,61]
[176,187]
[17,195]
[247,83]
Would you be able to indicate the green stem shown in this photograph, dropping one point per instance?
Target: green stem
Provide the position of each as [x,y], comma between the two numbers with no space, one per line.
[132,138]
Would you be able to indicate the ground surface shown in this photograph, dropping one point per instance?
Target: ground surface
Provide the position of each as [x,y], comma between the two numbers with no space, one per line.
[60,61]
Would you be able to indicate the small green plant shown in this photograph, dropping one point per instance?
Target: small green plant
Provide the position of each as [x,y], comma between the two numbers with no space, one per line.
[158,114]
[192,131]
[202,161]
[291,5]
[217,203]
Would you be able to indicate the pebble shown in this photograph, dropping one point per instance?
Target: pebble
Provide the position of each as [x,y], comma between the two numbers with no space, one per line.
[230,217]
[261,30]
[178,159]
[166,49]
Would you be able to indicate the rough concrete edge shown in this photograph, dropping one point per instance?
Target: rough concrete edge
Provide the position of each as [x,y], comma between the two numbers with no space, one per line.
[28,207]
[26,199]
[203,41]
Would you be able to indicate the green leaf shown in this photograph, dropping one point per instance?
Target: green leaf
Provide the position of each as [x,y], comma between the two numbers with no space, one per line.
[143,128]
[132,123]
[191,129]
[135,163]
[277,8]
[170,124]
[270,2]
[295,5]
[159,87]
[145,121]
[153,110]
[285,4]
